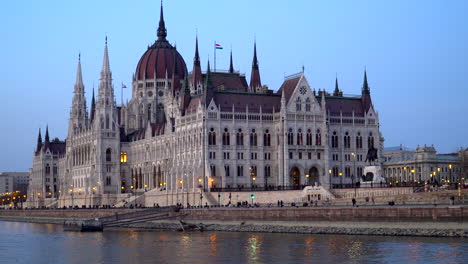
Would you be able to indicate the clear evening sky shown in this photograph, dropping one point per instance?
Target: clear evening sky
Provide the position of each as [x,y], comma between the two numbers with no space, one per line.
[415,52]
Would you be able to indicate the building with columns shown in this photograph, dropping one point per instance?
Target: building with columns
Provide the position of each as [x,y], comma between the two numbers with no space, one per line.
[185,133]
[402,166]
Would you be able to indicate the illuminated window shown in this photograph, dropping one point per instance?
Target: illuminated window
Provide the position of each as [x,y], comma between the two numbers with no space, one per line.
[123,156]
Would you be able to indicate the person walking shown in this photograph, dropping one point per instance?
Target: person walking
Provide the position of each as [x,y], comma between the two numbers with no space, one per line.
[354,202]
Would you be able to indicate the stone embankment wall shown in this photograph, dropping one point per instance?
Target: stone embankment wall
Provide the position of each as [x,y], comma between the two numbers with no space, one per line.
[382,214]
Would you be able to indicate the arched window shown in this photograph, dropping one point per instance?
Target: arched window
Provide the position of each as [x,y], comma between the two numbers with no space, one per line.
[290,137]
[370,140]
[149,112]
[298,104]
[318,138]
[212,137]
[267,173]
[334,140]
[240,138]
[253,138]
[359,140]
[309,137]
[307,104]
[299,137]
[108,154]
[107,121]
[160,114]
[266,138]
[226,137]
[47,169]
[347,140]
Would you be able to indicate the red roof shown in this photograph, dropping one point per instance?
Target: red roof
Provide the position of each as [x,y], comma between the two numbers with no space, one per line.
[160,58]
[288,86]
[346,105]
[229,82]
[241,100]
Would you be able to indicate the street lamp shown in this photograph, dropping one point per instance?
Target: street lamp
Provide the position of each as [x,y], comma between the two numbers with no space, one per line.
[354,172]
[308,179]
[134,196]
[450,171]
[329,177]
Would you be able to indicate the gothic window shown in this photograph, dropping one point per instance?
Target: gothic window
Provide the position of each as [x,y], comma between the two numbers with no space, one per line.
[370,140]
[309,137]
[334,140]
[108,154]
[226,171]
[55,170]
[267,171]
[347,140]
[318,138]
[240,138]
[253,171]
[308,104]
[299,137]
[226,137]
[123,157]
[108,180]
[240,171]
[290,137]
[212,137]
[160,114]
[359,140]
[348,172]
[47,169]
[298,104]
[213,170]
[149,112]
[335,172]
[107,121]
[267,138]
[253,138]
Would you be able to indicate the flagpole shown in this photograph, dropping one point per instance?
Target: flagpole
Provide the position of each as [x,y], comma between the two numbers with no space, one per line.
[121,95]
[214,56]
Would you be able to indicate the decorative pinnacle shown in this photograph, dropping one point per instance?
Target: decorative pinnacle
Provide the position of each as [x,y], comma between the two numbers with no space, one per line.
[162,32]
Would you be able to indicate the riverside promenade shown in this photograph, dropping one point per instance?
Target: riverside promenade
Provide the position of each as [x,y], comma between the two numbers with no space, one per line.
[427,220]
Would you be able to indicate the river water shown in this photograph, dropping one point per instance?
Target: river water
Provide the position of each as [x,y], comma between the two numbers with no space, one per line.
[47,243]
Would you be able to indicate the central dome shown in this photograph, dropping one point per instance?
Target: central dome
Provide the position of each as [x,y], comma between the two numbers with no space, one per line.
[161,58]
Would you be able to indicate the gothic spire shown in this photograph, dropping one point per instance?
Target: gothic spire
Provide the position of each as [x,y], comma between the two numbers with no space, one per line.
[105,72]
[79,76]
[39,141]
[208,85]
[196,72]
[231,67]
[162,32]
[365,85]
[93,107]
[336,92]
[255,81]
[196,60]
[47,134]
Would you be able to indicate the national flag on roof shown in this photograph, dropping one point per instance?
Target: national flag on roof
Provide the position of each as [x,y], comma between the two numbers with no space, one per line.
[218,46]
[124,86]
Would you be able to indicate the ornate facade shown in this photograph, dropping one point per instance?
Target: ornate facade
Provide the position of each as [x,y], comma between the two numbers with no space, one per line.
[187,132]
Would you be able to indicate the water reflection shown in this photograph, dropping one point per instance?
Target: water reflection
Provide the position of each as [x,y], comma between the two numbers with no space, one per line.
[33,243]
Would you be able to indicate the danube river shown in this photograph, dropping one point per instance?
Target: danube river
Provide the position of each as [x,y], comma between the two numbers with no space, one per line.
[47,243]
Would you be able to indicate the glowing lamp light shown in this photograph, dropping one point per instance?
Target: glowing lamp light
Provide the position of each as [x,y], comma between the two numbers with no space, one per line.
[94,188]
[181,181]
[131,187]
[212,180]
[307,175]
[254,179]
[330,171]
[199,180]
[122,187]
[341,174]
[146,185]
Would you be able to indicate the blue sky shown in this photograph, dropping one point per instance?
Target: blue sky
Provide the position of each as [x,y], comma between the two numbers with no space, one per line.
[415,52]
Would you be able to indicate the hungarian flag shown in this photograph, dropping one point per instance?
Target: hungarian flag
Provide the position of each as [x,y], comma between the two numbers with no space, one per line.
[124,86]
[218,46]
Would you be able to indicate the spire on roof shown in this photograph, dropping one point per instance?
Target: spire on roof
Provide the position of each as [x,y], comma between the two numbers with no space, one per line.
[336,92]
[47,134]
[231,67]
[162,32]
[105,62]
[208,75]
[93,107]
[196,72]
[365,85]
[79,76]
[255,81]
[39,141]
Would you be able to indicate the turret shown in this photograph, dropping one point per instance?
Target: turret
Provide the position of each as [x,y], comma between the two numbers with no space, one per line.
[208,85]
[255,82]
[337,91]
[231,66]
[366,98]
[78,114]
[39,141]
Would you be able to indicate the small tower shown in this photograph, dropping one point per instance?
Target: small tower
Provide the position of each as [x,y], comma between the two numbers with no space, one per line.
[39,141]
[231,66]
[366,98]
[78,114]
[337,91]
[196,82]
[255,82]
[209,93]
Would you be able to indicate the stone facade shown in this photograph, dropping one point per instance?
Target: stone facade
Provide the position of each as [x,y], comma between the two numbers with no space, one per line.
[185,133]
[402,165]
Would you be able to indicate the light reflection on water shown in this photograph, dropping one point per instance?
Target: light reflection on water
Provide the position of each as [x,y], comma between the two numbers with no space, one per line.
[39,243]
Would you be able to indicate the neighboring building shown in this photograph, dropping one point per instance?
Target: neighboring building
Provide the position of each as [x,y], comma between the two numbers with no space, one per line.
[402,165]
[186,132]
[14,181]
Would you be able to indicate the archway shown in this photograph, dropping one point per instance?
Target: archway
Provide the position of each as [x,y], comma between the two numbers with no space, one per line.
[314,176]
[295,176]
